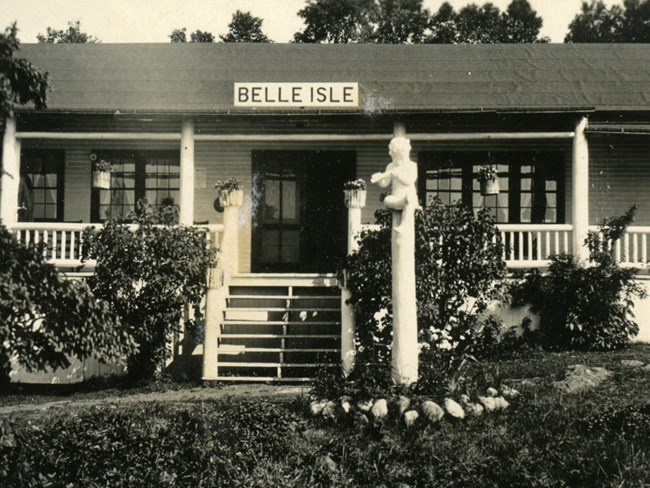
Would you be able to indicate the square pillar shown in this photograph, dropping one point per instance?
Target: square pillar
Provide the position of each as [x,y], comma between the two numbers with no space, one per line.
[10,174]
[186,190]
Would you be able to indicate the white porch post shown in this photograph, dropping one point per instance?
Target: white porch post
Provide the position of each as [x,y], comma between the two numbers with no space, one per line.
[580,193]
[10,174]
[186,191]
[215,300]
[348,326]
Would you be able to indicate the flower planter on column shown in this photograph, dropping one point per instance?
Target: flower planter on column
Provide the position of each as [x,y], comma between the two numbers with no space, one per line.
[102,180]
[355,198]
[231,198]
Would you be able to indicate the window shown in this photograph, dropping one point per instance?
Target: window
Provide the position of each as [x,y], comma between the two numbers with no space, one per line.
[530,183]
[153,174]
[40,191]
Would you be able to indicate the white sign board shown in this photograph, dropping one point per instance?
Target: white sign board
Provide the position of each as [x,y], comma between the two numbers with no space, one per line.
[328,95]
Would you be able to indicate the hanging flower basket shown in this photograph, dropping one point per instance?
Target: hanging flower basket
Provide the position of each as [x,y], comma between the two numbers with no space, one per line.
[354,193]
[490,187]
[102,180]
[488,178]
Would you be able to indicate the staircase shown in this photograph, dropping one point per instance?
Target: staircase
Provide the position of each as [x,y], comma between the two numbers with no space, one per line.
[279,327]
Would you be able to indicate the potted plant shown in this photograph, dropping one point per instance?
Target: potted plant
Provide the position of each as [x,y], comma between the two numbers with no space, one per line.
[102,170]
[230,192]
[488,177]
[354,193]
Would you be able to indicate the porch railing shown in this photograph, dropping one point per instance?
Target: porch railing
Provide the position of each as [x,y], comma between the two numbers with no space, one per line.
[632,249]
[530,245]
[63,241]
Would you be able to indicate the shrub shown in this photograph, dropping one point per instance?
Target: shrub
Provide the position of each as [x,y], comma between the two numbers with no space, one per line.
[585,306]
[459,271]
[150,276]
[45,318]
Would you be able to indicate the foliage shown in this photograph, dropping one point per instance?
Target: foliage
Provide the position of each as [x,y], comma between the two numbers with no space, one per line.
[336,21]
[45,318]
[459,271]
[400,22]
[485,24]
[585,306]
[598,438]
[245,27]
[72,35]
[20,81]
[180,35]
[229,184]
[487,173]
[359,184]
[104,166]
[149,276]
[597,23]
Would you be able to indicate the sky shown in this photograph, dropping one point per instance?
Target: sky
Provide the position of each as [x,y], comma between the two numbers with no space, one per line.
[153,20]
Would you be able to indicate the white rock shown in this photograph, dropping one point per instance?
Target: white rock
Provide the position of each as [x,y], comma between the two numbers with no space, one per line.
[410,418]
[646,367]
[380,408]
[329,410]
[454,409]
[432,411]
[492,392]
[345,406]
[501,403]
[631,363]
[508,392]
[317,406]
[365,406]
[489,403]
[474,409]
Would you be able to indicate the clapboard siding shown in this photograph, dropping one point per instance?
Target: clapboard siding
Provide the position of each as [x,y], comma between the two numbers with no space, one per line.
[619,176]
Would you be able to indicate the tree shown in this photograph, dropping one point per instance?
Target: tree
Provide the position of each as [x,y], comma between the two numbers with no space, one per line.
[180,35]
[597,23]
[485,24]
[45,318]
[337,21]
[72,35]
[20,81]
[401,22]
[149,276]
[245,27]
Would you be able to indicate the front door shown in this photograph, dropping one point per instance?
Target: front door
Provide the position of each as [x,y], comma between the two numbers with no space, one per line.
[299,219]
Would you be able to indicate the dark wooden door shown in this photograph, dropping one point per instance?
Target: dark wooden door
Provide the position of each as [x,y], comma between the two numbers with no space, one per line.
[299,219]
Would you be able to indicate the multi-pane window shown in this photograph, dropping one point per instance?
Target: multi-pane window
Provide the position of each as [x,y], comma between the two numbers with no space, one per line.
[153,174]
[530,183]
[40,191]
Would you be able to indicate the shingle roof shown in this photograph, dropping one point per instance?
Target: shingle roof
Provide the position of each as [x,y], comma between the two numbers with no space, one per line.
[198,78]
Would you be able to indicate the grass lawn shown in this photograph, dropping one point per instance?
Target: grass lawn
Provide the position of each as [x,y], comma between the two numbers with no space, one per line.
[599,437]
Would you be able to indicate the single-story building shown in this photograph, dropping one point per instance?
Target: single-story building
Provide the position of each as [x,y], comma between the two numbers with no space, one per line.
[567,127]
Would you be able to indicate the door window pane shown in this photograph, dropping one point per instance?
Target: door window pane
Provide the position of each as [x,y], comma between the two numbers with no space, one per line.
[40,188]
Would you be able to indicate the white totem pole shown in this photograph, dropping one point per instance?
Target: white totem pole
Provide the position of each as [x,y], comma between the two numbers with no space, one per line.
[401,175]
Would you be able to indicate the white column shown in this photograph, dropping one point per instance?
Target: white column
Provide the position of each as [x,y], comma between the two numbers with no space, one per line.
[580,190]
[348,326]
[215,300]
[404,361]
[186,192]
[10,174]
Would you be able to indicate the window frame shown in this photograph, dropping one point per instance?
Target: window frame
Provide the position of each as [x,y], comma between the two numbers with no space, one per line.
[58,156]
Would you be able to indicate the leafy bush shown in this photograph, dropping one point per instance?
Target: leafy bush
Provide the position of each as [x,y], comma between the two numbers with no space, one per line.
[150,276]
[585,306]
[459,271]
[45,318]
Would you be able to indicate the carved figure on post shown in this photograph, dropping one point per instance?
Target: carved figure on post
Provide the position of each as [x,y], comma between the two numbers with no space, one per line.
[401,174]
